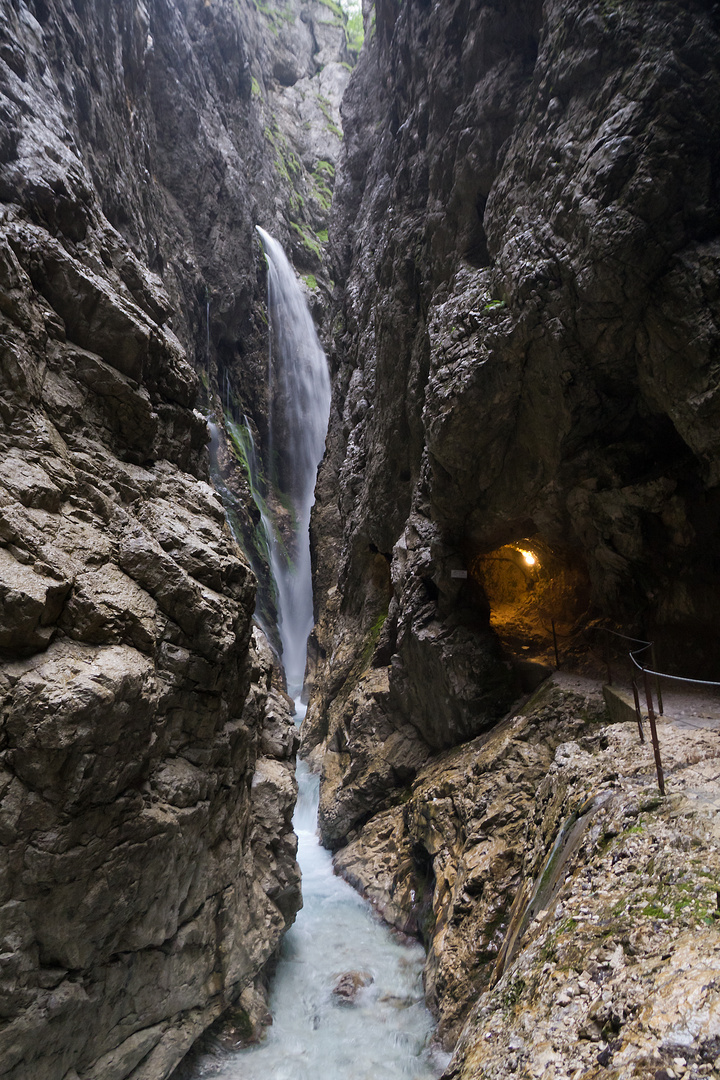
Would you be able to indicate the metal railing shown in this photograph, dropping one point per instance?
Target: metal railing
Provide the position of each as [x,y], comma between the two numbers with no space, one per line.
[647,673]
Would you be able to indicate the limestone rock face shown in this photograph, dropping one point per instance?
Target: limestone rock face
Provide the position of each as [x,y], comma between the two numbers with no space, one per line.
[146,763]
[524,230]
[184,122]
[447,861]
[524,355]
[569,912]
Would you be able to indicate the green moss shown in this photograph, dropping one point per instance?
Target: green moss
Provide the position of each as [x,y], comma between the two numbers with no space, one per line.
[310,280]
[322,195]
[512,993]
[322,178]
[256,92]
[276,16]
[654,911]
[325,108]
[372,639]
[287,164]
[335,8]
[310,242]
[240,1021]
[240,444]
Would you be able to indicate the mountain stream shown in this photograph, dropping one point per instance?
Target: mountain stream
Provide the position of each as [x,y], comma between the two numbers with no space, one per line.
[347,998]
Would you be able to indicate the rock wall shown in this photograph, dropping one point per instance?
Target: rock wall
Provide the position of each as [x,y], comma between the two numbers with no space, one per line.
[193,123]
[525,228]
[569,912]
[525,233]
[146,761]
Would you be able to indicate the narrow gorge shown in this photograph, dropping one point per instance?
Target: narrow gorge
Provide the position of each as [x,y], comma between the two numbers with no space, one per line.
[502,221]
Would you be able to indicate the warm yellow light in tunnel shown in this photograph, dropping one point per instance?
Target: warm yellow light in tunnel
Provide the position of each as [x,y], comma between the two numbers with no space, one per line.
[528,557]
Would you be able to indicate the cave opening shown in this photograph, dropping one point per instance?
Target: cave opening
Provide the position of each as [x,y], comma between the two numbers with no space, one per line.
[539,598]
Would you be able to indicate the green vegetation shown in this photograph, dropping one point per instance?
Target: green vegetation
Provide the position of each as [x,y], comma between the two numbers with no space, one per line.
[256,92]
[354,30]
[322,178]
[241,1022]
[512,993]
[311,281]
[241,446]
[372,639]
[275,16]
[286,162]
[321,192]
[336,10]
[310,241]
[495,305]
[325,110]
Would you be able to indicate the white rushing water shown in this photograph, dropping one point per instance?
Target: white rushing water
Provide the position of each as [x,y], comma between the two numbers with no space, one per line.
[384,1032]
[299,396]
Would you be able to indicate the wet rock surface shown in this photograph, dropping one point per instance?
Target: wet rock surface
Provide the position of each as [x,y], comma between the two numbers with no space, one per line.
[523,228]
[349,985]
[147,769]
[173,120]
[569,911]
[146,760]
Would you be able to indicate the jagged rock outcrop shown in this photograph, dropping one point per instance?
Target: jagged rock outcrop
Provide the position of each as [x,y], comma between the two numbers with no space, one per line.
[193,122]
[525,229]
[523,434]
[145,797]
[146,776]
[569,912]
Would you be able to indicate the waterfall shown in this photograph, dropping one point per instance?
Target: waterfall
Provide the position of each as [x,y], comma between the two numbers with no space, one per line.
[299,396]
[386,1030]
[207,334]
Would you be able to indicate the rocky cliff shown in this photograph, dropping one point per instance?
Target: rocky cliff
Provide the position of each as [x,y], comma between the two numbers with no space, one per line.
[193,123]
[146,773]
[570,913]
[524,427]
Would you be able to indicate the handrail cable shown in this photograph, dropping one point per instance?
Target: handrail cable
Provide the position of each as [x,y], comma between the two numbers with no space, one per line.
[676,678]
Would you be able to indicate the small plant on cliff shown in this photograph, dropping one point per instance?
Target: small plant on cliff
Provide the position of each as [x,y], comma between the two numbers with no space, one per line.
[512,993]
[310,242]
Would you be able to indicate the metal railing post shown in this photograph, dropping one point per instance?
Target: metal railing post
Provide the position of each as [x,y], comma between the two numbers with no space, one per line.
[657,679]
[638,713]
[653,732]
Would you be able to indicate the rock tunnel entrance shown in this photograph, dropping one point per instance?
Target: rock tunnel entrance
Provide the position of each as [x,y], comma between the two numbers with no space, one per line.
[534,589]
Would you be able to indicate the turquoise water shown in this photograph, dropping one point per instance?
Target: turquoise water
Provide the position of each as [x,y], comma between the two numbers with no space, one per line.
[385,1034]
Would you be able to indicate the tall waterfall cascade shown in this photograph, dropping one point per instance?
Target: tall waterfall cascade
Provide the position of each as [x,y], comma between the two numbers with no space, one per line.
[299,396]
[337,938]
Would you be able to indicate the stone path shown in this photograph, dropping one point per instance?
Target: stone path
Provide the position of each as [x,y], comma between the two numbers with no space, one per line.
[689,737]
